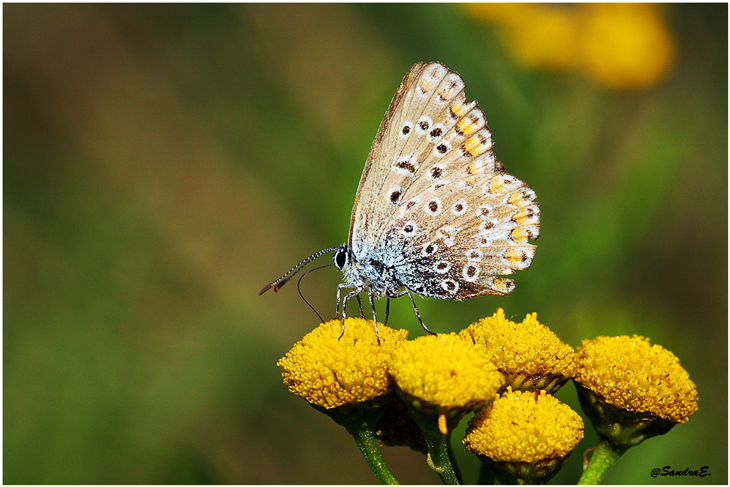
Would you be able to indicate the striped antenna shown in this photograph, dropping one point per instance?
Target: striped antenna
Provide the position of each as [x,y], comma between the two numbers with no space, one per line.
[293,271]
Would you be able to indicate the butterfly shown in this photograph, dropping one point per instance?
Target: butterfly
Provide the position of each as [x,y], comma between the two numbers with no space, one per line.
[435,213]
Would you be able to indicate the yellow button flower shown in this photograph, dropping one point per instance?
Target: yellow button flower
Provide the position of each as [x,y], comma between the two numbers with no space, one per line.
[441,378]
[345,376]
[524,437]
[631,374]
[444,372]
[530,356]
[329,371]
[632,390]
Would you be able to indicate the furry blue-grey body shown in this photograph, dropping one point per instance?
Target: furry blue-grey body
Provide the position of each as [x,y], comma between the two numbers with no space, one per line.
[379,271]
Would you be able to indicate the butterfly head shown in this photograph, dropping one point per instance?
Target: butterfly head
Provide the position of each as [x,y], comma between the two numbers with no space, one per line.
[346,262]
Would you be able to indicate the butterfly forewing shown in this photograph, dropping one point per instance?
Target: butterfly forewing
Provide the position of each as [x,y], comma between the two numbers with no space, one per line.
[434,203]
[366,213]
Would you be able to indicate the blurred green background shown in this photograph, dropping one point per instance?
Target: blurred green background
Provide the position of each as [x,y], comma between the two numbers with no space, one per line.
[163,162]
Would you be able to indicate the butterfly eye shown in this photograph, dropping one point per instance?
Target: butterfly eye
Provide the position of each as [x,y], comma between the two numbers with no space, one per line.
[405,166]
[486,225]
[429,249]
[436,132]
[433,207]
[450,285]
[442,266]
[441,149]
[484,211]
[471,272]
[485,241]
[340,258]
[474,255]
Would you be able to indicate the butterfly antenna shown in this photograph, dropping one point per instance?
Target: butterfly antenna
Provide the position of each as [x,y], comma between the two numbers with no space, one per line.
[292,272]
[299,282]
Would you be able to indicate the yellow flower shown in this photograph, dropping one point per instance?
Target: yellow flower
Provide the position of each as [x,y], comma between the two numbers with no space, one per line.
[631,390]
[444,372]
[441,378]
[329,371]
[626,45]
[540,36]
[530,356]
[524,437]
[622,46]
[345,376]
[631,374]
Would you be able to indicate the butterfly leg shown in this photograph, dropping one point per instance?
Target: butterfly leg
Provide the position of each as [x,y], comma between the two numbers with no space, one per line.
[351,294]
[387,310]
[375,317]
[359,303]
[415,309]
[418,315]
[337,305]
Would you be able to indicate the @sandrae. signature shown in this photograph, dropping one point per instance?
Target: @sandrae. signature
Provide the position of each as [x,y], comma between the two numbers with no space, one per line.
[667,471]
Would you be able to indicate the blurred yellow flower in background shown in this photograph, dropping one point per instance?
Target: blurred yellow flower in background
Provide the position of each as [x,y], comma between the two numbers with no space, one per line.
[620,46]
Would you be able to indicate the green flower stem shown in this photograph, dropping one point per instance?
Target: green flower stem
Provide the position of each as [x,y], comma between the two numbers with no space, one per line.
[365,440]
[603,458]
[438,455]
[359,420]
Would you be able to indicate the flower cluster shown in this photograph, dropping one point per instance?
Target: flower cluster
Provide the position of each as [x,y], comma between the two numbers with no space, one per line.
[395,391]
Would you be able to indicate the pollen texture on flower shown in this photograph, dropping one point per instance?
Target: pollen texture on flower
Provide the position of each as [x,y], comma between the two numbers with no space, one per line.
[329,371]
[445,371]
[530,356]
[631,374]
[524,427]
